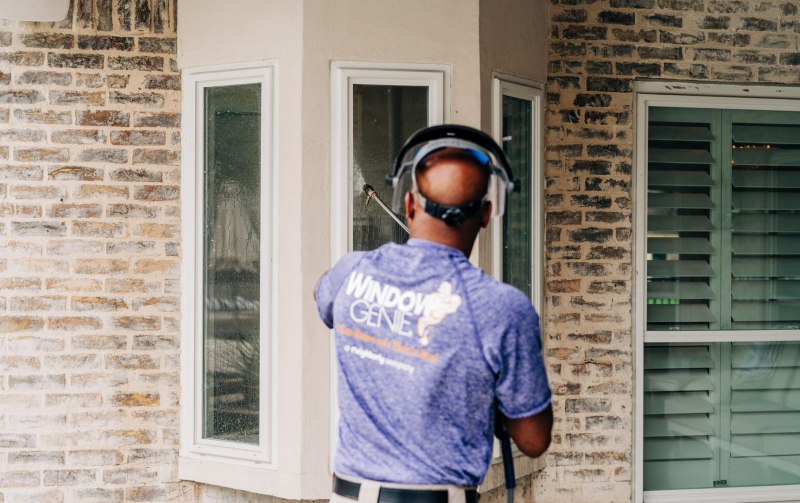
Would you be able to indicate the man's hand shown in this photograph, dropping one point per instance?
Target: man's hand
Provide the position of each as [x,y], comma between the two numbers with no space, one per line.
[532,434]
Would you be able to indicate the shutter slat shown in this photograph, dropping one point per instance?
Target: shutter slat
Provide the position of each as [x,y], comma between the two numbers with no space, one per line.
[679,269]
[765,267]
[678,380]
[679,200]
[685,402]
[766,134]
[759,200]
[677,357]
[760,378]
[677,448]
[766,179]
[679,156]
[766,355]
[764,245]
[766,223]
[765,290]
[774,444]
[674,178]
[762,471]
[677,425]
[765,422]
[680,133]
[684,246]
[765,400]
[692,223]
[684,290]
[679,313]
[766,157]
[773,310]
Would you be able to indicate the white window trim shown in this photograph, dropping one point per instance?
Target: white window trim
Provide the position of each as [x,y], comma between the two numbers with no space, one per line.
[203,460]
[526,90]
[691,95]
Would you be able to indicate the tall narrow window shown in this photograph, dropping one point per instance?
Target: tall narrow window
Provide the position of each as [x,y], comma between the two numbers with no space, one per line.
[721,387]
[376,109]
[228,245]
[518,237]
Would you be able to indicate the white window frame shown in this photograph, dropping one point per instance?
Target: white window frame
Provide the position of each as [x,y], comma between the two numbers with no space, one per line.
[214,454]
[503,85]
[344,75]
[691,95]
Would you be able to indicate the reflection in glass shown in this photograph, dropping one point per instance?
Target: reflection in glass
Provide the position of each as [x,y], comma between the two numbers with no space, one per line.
[517,225]
[721,415]
[383,118]
[231,262]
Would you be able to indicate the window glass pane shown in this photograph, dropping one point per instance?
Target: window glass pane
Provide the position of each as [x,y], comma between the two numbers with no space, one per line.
[231,262]
[383,118]
[517,224]
[721,415]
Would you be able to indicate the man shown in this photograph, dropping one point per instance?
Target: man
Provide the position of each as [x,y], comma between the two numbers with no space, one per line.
[429,347]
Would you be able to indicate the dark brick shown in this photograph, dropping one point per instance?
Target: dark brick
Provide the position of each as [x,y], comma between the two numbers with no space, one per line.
[728,6]
[48,40]
[570,16]
[598,68]
[608,150]
[590,235]
[124,14]
[673,53]
[22,58]
[26,96]
[665,20]
[161,16]
[579,405]
[144,63]
[102,118]
[105,43]
[715,23]
[645,69]
[608,252]
[5,38]
[628,35]
[109,155]
[567,49]
[585,32]
[564,252]
[156,156]
[597,117]
[93,61]
[591,133]
[756,57]
[790,58]
[577,2]
[758,24]
[85,13]
[135,175]
[606,217]
[712,55]
[633,4]
[612,50]
[695,5]
[732,73]
[593,100]
[609,84]
[668,37]
[597,202]
[564,218]
[685,71]
[148,100]
[5,79]
[44,78]
[623,234]
[553,98]
[734,39]
[569,116]
[773,41]
[161,45]
[77,98]
[593,184]
[790,25]
[170,82]
[142,14]
[156,119]
[591,167]
[789,9]
[615,17]
[138,137]
[566,149]
[104,15]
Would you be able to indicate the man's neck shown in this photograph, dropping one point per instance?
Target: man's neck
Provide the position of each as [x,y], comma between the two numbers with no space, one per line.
[453,241]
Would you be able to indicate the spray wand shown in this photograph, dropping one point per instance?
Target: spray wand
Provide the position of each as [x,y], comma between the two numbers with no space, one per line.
[500,428]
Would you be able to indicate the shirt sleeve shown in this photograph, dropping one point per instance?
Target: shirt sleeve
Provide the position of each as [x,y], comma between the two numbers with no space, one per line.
[331,282]
[521,386]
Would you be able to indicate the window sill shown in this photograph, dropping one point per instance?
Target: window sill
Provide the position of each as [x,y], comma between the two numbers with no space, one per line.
[782,494]
[255,479]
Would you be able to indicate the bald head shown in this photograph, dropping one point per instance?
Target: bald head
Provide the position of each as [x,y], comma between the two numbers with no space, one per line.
[452,177]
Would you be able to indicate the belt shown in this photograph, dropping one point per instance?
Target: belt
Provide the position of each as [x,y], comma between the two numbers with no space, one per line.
[350,490]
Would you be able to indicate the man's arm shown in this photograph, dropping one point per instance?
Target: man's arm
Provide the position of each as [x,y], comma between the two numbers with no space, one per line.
[532,434]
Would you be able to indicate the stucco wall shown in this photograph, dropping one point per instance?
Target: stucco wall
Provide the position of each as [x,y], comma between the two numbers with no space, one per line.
[89,241]
[597,48]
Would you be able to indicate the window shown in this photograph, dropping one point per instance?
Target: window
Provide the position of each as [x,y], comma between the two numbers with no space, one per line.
[227,275]
[377,107]
[719,216]
[517,240]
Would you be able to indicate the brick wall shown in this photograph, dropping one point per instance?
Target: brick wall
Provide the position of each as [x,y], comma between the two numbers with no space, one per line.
[597,49]
[89,255]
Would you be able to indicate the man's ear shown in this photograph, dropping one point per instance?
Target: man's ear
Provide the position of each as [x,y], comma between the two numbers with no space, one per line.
[486,214]
[409,200]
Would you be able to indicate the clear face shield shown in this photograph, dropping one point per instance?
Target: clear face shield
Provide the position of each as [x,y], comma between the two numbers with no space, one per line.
[404,178]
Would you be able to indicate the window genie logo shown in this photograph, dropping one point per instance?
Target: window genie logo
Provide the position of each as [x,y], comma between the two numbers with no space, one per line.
[386,306]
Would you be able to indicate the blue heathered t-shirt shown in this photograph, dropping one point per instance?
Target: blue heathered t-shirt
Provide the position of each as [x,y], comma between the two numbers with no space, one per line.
[425,342]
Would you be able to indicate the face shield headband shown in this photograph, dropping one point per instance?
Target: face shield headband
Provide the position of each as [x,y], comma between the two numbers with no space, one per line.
[478,145]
